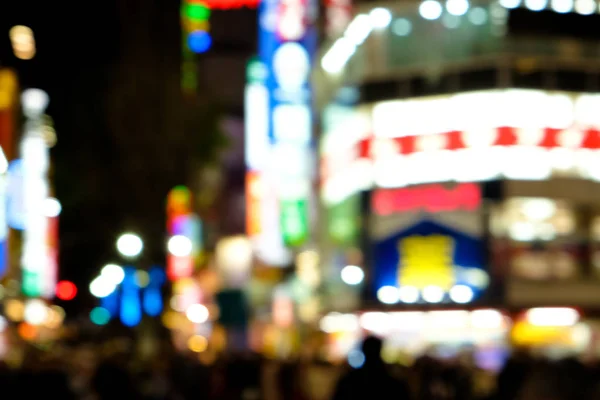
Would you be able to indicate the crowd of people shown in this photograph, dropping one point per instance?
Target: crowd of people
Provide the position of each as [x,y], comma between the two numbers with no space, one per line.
[84,373]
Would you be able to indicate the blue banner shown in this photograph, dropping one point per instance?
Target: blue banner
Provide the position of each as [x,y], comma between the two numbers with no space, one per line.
[429,254]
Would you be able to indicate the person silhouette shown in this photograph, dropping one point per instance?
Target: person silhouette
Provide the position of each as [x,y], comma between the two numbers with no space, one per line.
[372,379]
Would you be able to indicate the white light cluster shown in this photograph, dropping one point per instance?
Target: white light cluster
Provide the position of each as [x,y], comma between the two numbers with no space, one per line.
[379,18]
[197,313]
[460,294]
[130,245]
[558,316]
[344,48]
[583,7]
[36,312]
[105,284]
[34,102]
[179,246]
[527,163]
[52,207]
[431,10]
[481,109]
[352,275]
[431,323]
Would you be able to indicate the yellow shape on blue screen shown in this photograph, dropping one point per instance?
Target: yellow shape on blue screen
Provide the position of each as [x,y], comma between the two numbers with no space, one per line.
[426,261]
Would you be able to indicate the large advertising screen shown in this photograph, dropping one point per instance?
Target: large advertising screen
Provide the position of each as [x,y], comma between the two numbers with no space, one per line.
[428,244]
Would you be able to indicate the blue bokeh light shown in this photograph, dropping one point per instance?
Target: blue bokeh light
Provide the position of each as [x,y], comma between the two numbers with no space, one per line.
[131,309]
[111,303]
[199,41]
[356,359]
[152,298]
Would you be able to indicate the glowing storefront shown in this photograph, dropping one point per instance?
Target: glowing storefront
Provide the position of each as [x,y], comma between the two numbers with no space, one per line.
[467,144]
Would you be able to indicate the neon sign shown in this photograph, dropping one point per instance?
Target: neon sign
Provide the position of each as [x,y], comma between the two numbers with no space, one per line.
[441,139]
[231,4]
[181,221]
[429,262]
[430,198]
[35,161]
[287,44]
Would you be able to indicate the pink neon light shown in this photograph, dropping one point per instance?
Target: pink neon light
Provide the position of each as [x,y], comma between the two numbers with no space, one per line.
[430,198]
[179,267]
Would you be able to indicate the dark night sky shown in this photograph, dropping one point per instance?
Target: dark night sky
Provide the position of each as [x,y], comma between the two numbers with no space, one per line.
[76,49]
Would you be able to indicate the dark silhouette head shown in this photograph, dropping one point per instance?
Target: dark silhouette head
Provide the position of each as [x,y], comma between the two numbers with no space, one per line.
[371,348]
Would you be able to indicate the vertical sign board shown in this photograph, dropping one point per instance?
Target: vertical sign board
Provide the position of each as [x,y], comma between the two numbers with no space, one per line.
[34,261]
[262,208]
[287,44]
[179,205]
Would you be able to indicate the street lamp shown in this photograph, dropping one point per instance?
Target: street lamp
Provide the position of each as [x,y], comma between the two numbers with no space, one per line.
[130,245]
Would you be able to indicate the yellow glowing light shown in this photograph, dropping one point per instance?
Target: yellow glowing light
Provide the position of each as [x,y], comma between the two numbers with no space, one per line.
[8,87]
[181,285]
[525,334]
[14,309]
[426,261]
[307,268]
[54,317]
[169,319]
[192,26]
[23,43]
[197,343]
[142,279]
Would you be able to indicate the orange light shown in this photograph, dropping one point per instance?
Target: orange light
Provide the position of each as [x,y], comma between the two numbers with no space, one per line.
[197,343]
[66,290]
[26,331]
[254,196]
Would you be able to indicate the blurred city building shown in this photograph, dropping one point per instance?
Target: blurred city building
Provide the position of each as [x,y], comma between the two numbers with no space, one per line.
[458,172]
[29,215]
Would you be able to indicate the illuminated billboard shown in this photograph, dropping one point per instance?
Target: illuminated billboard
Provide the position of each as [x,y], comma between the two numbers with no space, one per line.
[287,44]
[34,163]
[428,262]
[473,136]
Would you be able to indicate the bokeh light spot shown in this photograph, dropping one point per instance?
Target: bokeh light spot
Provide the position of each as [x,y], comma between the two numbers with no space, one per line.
[100,316]
[66,290]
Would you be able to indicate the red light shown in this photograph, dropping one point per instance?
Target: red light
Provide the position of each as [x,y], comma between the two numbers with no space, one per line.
[430,198]
[66,290]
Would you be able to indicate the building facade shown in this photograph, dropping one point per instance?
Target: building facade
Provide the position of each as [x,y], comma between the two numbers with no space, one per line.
[459,166]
